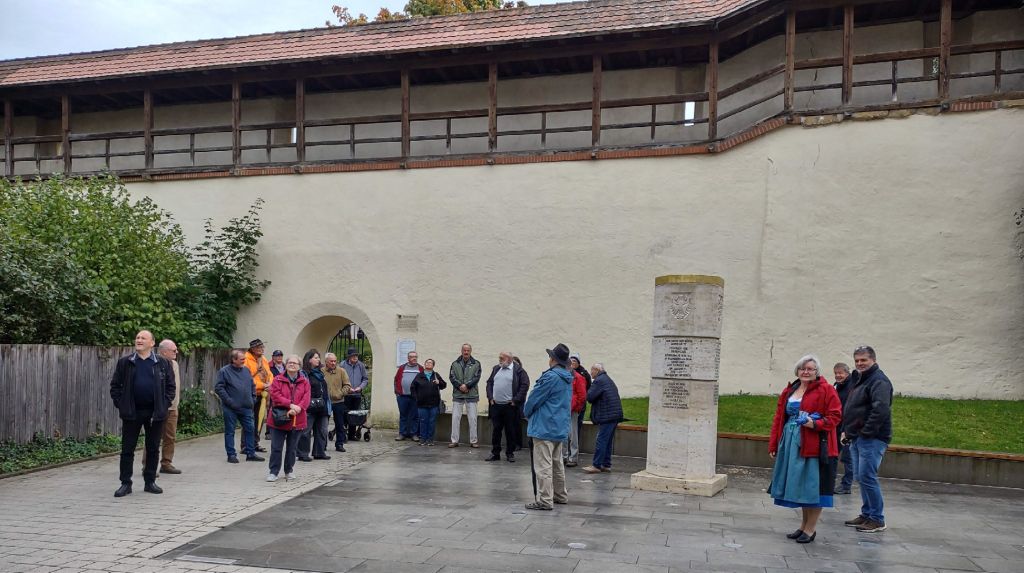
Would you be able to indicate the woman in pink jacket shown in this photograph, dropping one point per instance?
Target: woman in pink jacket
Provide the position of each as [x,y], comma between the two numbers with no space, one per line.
[290,391]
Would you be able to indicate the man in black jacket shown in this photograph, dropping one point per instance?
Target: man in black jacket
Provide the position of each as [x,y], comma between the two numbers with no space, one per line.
[867,425]
[142,388]
[506,391]
[843,384]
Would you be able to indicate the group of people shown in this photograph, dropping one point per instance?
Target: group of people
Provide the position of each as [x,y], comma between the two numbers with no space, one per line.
[554,411]
[817,424]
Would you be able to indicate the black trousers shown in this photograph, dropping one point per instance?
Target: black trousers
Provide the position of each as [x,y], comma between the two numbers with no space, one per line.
[130,438]
[340,413]
[353,402]
[283,442]
[503,419]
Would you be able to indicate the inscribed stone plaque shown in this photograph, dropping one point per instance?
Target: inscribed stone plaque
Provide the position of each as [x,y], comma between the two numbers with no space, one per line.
[685,358]
[675,395]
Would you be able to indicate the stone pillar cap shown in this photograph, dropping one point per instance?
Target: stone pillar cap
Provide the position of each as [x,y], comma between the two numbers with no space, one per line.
[699,279]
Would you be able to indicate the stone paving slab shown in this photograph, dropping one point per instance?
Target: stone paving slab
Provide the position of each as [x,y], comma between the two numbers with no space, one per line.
[393,507]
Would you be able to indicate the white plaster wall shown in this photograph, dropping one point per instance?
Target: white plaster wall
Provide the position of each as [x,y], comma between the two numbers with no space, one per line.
[886,232]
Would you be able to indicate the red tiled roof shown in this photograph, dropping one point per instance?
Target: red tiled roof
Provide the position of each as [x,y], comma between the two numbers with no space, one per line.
[419,34]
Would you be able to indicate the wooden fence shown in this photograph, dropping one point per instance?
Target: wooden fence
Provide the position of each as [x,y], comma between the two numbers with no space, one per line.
[65,390]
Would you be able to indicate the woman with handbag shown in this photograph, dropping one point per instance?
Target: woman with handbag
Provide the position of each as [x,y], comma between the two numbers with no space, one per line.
[426,390]
[289,399]
[803,445]
[314,439]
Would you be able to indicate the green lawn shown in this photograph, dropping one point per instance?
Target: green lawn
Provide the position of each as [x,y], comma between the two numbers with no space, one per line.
[982,425]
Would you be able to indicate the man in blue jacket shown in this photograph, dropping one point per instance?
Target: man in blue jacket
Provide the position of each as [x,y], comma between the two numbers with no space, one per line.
[547,414]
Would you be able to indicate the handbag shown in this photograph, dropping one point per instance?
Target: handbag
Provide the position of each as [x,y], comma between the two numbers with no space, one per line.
[317,406]
[279,415]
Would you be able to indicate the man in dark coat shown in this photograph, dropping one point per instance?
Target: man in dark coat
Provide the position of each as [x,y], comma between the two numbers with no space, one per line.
[867,424]
[506,391]
[844,382]
[605,413]
[142,388]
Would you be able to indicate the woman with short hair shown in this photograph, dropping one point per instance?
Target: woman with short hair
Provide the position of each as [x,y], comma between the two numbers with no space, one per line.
[290,391]
[803,445]
[426,390]
[315,437]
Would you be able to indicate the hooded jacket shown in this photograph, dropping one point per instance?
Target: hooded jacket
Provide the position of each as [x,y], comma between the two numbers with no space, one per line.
[868,409]
[579,393]
[425,392]
[819,398]
[547,407]
[259,367]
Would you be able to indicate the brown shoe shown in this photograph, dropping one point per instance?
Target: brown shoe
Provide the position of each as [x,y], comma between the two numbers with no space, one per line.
[591,470]
[453,445]
[169,469]
[871,526]
[856,522]
[606,470]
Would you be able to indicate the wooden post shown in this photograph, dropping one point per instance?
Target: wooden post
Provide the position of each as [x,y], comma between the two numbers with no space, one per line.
[847,54]
[712,81]
[790,58]
[945,39]
[236,122]
[300,120]
[147,127]
[8,135]
[595,104]
[406,132]
[65,132]
[492,107]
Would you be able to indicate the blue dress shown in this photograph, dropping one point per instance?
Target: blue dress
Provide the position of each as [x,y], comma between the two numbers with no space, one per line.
[796,480]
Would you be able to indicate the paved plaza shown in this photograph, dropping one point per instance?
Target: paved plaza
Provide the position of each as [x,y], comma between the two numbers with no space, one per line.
[392,507]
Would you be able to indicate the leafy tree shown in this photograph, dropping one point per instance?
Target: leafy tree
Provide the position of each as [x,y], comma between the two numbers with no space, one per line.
[82,263]
[420,8]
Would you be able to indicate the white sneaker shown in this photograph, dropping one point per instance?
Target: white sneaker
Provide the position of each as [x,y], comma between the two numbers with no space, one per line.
[290,476]
[271,477]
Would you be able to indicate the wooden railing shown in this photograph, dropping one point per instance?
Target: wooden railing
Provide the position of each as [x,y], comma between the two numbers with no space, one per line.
[736,107]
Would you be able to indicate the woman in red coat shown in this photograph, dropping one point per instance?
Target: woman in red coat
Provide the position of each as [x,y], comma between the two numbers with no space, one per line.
[289,390]
[805,423]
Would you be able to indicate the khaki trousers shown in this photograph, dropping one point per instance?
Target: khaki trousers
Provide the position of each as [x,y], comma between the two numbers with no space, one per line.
[547,460]
[167,444]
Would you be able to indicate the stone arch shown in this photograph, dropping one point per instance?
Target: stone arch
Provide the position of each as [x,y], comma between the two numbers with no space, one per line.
[317,319]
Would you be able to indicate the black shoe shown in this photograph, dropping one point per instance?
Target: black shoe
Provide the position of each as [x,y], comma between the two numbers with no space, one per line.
[261,449]
[232,459]
[796,534]
[125,489]
[804,538]
[151,487]
[493,458]
[339,448]
[254,458]
[330,435]
[323,457]
[842,491]
[511,458]
[305,459]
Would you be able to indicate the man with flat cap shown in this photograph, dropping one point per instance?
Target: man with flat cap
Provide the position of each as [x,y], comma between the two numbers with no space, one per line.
[258,366]
[547,414]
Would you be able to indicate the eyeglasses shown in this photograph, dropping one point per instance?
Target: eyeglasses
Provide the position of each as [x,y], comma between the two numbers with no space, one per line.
[291,363]
[808,369]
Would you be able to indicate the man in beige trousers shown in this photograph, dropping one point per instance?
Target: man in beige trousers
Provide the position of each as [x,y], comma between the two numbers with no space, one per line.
[169,350]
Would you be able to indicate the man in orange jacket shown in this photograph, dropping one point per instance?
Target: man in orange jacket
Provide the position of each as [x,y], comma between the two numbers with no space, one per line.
[261,375]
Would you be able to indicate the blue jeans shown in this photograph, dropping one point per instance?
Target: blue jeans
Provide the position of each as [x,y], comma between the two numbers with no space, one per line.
[603,447]
[407,418]
[844,456]
[427,422]
[231,418]
[867,456]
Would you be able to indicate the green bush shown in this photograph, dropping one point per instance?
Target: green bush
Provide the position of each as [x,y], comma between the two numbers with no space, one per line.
[42,451]
[193,418]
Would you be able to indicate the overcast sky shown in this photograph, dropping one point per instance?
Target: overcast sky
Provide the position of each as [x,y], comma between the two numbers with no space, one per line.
[45,27]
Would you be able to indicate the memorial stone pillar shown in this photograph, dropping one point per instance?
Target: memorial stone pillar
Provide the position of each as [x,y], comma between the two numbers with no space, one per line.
[682,426]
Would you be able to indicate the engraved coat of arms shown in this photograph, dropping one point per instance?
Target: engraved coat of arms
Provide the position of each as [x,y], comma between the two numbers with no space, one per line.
[681,306]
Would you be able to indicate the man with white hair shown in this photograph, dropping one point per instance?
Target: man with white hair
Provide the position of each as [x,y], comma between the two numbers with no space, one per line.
[506,391]
[606,413]
[169,351]
[338,387]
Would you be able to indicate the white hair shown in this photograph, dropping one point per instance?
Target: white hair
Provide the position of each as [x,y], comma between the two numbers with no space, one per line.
[804,360]
[330,355]
[598,366]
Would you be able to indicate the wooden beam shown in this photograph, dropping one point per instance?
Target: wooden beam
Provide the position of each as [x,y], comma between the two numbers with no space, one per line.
[406,131]
[147,127]
[300,120]
[712,83]
[65,132]
[492,107]
[790,58]
[945,40]
[997,71]
[8,136]
[847,53]
[595,105]
[236,121]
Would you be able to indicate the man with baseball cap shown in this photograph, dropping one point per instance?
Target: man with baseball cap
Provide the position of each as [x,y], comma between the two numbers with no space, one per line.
[547,413]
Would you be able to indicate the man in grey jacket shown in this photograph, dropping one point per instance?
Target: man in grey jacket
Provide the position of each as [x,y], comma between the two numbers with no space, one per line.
[465,378]
[237,392]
